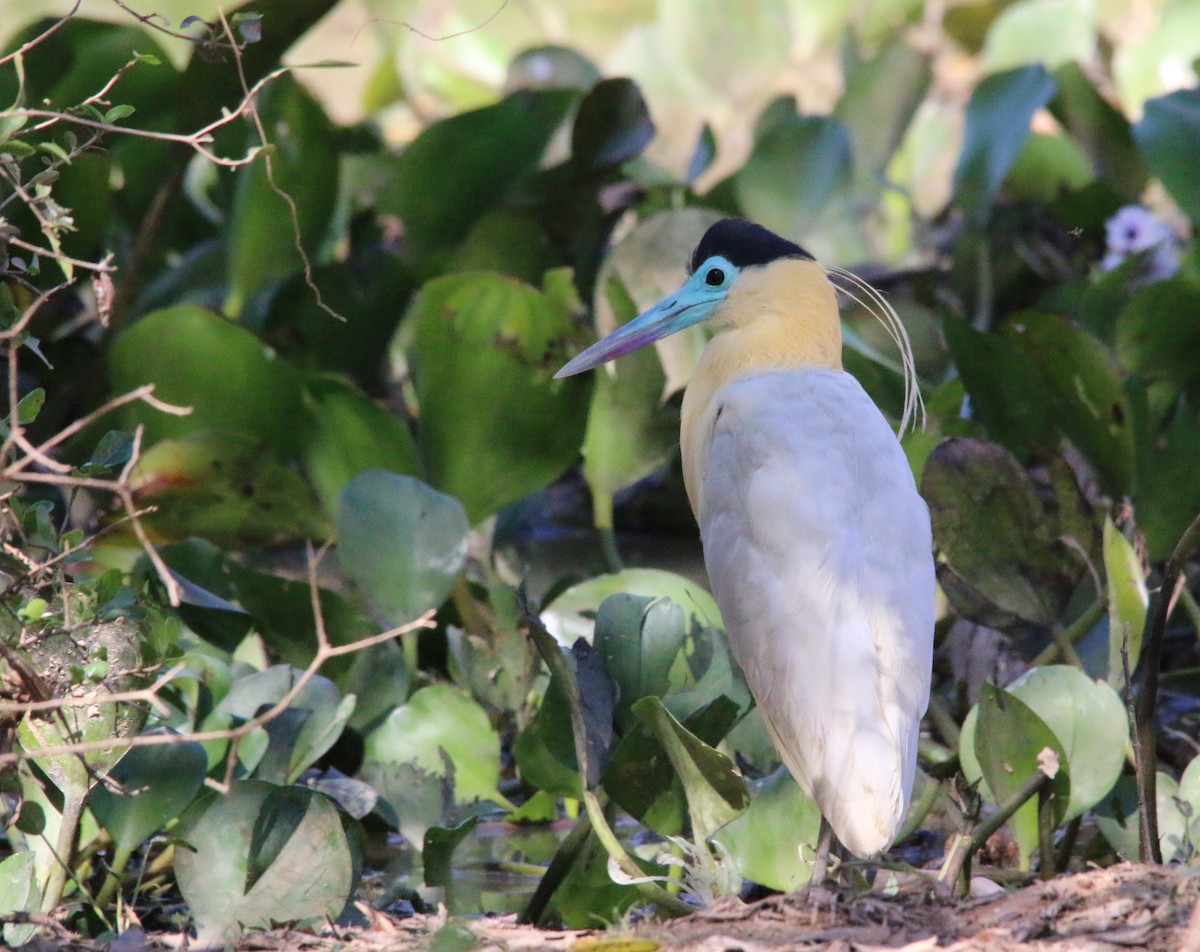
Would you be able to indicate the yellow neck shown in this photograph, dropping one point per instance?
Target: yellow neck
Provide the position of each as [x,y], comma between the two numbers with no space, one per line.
[779,317]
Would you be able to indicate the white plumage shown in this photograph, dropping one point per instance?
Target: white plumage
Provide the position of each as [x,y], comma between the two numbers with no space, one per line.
[819,554]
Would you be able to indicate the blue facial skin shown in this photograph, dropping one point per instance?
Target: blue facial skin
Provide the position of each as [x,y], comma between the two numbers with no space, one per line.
[694,302]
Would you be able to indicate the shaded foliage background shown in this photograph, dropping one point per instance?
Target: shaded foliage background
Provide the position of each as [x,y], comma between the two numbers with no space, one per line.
[361,283]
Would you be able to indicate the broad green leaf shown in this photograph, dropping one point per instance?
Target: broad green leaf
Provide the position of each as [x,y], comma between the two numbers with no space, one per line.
[486,351]
[1050,32]
[774,841]
[438,720]
[552,67]
[1047,167]
[1166,495]
[880,99]
[1088,721]
[1169,127]
[1000,558]
[1090,407]
[400,542]
[1158,333]
[197,359]
[19,892]
[794,172]
[1101,129]
[306,730]
[716,792]
[312,869]
[437,851]
[464,166]
[1008,737]
[612,127]
[572,614]
[638,639]
[223,486]
[30,405]
[262,234]
[346,433]
[1127,603]
[998,118]
[1117,817]
[157,784]
[1008,394]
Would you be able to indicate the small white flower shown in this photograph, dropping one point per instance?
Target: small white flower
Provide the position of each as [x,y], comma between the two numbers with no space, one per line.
[1135,230]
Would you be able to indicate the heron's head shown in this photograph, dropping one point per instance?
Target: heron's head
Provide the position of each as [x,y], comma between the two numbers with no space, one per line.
[738,273]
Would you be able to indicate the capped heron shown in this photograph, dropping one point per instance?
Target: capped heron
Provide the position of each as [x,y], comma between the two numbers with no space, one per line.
[817,545]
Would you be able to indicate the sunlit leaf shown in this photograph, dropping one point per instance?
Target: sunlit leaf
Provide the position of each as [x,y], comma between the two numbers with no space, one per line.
[19,892]
[1169,125]
[1127,604]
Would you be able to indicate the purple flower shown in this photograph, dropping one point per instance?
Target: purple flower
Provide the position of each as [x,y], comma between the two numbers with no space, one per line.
[1135,230]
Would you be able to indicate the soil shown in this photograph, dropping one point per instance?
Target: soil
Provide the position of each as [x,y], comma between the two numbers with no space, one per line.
[1127,906]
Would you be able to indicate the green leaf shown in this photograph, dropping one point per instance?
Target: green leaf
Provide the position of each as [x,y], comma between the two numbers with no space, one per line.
[304,164]
[1101,129]
[1084,384]
[1117,817]
[400,542]
[486,351]
[30,405]
[795,170]
[612,126]
[117,113]
[997,125]
[311,724]
[1051,32]
[638,639]
[263,855]
[438,720]
[158,783]
[199,360]
[224,487]
[716,792]
[464,166]
[1158,333]
[1166,495]
[19,892]
[753,840]
[999,557]
[1168,128]
[572,614]
[440,843]
[1007,741]
[346,433]
[1128,601]
[1088,721]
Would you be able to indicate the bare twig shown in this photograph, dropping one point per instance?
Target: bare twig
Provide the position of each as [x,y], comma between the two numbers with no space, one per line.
[41,37]
[142,695]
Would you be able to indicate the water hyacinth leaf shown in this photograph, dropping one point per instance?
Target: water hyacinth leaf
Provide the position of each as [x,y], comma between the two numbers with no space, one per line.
[19,892]
[438,720]
[440,842]
[304,164]
[997,125]
[880,98]
[196,359]
[1052,32]
[157,783]
[572,614]
[1007,741]
[317,716]
[1169,126]
[1086,717]
[612,126]
[346,433]
[1158,333]
[1008,394]
[716,792]
[462,167]
[1085,388]
[1117,816]
[1128,601]
[1166,494]
[754,839]
[794,172]
[401,542]
[638,639]
[222,486]
[261,855]
[486,351]
[1101,129]
[999,558]
[1047,167]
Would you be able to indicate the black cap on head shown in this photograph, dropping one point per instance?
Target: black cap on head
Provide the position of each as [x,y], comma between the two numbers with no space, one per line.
[743,243]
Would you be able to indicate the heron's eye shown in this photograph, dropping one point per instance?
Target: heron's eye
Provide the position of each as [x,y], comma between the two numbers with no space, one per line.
[715,277]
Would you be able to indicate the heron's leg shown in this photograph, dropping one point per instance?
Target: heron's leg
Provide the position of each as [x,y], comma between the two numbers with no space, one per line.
[824,845]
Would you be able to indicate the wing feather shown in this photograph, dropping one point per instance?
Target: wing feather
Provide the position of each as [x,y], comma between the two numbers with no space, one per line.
[819,552]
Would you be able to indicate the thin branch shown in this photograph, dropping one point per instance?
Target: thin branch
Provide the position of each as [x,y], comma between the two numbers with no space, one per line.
[147,695]
[41,37]
[58,255]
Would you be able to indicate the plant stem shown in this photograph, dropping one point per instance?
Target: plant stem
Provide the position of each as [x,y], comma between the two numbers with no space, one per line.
[112,881]
[569,850]
[602,518]
[1072,632]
